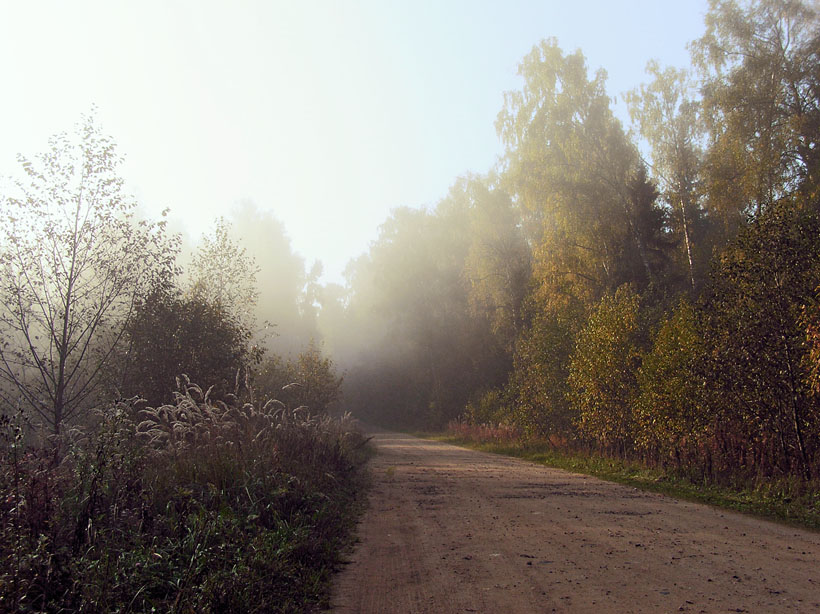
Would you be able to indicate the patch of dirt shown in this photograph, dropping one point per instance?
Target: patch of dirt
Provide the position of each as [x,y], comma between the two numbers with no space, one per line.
[454,530]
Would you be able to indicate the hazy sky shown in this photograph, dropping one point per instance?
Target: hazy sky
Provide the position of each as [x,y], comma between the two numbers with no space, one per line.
[326,113]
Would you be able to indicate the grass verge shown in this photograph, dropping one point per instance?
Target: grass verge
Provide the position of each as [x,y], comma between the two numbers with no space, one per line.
[192,507]
[782,501]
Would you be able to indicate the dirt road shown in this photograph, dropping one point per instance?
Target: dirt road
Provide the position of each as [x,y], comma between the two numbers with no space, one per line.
[452,530]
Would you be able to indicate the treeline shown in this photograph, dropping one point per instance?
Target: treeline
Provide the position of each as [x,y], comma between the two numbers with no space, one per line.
[649,292]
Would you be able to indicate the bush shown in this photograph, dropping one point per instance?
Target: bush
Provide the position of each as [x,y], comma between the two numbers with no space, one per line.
[310,380]
[538,382]
[603,371]
[490,407]
[670,413]
[171,334]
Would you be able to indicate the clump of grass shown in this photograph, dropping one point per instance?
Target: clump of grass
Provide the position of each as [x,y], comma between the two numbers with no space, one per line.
[198,506]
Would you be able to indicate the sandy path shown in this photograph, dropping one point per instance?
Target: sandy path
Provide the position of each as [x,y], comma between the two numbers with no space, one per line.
[453,530]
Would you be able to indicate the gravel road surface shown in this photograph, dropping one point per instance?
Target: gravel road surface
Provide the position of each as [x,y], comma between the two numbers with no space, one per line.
[454,530]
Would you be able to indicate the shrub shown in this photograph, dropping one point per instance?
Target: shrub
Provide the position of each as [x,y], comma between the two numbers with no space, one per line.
[310,380]
[670,413]
[171,334]
[603,371]
[539,380]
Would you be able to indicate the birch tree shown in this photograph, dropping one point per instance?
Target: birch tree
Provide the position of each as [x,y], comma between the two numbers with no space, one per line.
[73,261]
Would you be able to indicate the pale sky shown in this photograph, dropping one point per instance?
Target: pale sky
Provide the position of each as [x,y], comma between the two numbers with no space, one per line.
[327,113]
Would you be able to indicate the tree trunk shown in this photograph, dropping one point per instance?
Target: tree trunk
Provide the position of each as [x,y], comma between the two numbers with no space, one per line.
[688,244]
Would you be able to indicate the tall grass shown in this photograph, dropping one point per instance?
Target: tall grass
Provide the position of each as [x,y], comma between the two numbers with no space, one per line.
[197,506]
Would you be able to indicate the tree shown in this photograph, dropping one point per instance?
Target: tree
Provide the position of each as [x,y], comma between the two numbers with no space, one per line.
[317,385]
[498,261]
[310,380]
[603,370]
[542,360]
[589,207]
[810,319]
[760,62]
[668,118]
[172,334]
[670,413]
[285,292]
[756,338]
[224,275]
[74,260]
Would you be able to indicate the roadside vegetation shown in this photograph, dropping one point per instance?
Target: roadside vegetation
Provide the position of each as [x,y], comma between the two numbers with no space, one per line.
[196,506]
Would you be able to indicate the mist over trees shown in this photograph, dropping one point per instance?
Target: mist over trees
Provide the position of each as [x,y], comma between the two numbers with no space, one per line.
[124,483]
[95,305]
[648,290]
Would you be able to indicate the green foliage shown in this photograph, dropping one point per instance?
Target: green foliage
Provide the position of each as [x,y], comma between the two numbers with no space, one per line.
[171,334]
[757,343]
[668,117]
[810,319]
[671,412]
[319,387]
[489,407]
[539,380]
[727,388]
[310,380]
[663,310]
[603,369]
[758,62]
[590,208]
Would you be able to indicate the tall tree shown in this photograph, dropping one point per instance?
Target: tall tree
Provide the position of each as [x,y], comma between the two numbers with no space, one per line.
[283,303]
[498,260]
[760,62]
[756,336]
[73,262]
[577,177]
[668,117]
